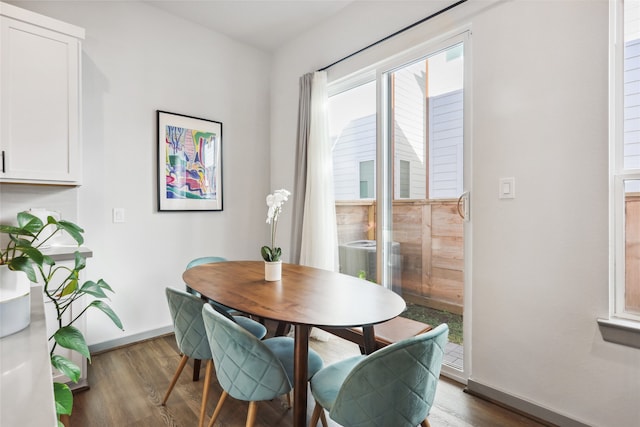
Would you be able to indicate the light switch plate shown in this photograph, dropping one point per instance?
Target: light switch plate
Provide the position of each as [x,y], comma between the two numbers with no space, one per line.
[118,215]
[507,188]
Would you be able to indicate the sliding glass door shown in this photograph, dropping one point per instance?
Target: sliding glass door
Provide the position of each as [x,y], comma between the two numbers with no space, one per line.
[399,174]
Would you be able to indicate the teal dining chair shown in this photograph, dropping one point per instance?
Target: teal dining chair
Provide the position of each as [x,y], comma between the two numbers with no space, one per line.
[394,386]
[256,328]
[247,368]
[191,337]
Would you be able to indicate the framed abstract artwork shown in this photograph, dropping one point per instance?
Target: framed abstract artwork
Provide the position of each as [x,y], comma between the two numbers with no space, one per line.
[189,163]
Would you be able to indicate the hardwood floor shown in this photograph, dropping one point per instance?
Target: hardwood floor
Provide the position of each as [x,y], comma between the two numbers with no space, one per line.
[128,384]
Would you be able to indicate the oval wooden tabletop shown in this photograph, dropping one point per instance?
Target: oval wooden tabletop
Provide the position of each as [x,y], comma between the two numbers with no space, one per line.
[305,295]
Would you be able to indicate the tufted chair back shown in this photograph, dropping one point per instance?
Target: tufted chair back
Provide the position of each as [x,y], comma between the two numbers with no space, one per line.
[204,260]
[186,312]
[245,367]
[394,386]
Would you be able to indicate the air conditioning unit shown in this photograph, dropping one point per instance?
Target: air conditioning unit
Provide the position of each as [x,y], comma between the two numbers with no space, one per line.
[359,258]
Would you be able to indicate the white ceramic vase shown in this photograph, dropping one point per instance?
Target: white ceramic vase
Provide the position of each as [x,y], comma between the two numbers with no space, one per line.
[272,271]
[15,301]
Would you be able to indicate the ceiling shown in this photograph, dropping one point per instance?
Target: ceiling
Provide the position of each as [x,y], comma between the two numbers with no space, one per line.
[266,24]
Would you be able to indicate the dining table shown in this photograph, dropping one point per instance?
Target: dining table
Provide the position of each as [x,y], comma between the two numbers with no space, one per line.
[304,297]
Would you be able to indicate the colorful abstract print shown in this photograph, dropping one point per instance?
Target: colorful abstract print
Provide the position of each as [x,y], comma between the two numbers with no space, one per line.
[190,164]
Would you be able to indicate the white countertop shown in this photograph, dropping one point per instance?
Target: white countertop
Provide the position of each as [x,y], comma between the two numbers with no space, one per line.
[26,383]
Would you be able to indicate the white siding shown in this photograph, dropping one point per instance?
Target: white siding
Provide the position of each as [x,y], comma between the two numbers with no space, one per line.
[445,135]
[632,105]
[355,144]
[409,127]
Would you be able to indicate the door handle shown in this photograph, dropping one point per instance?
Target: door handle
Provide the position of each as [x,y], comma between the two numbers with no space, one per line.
[463,206]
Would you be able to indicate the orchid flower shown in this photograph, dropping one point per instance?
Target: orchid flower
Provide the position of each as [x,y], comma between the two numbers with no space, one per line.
[274,203]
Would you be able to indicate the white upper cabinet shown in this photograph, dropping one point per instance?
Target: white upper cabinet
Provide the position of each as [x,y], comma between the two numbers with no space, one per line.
[40,81]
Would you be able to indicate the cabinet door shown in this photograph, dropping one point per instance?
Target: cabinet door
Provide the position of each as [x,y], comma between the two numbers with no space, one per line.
[39,104]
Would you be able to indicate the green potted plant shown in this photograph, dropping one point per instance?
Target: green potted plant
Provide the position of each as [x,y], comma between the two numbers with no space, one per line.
[22,254]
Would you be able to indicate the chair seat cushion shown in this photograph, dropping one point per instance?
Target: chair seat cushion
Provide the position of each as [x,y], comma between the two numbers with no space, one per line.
[327,382]
[257,329]
[282,347]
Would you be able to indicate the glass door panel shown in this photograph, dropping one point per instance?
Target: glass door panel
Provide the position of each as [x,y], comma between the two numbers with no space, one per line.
[398,148]
[425,243]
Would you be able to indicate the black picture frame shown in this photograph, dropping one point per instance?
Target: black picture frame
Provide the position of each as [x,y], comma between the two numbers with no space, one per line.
[189,163]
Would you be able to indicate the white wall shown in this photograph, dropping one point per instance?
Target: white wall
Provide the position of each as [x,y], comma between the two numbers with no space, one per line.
[136,60]
[540,262]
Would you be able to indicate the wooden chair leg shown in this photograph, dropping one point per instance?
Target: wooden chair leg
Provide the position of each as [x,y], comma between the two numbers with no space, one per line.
[315,417]
[323,419]
[196,369]
[216,412]
[251,415]
[425,423]
[205,392]
[174,380]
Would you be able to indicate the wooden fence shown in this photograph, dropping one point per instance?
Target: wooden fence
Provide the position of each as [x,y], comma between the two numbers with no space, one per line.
[430,233]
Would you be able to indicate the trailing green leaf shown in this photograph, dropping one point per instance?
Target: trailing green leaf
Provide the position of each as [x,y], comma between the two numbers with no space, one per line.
[29,251]
[80,261]
[70,337]
[29,223]
[92,288]
[12,229]
[104,285]
[69,288]
[73,230]
[63,398]
[66,367]
[104,307]
[23,264]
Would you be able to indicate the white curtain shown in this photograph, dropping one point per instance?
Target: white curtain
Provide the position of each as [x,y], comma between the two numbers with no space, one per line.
[319,240]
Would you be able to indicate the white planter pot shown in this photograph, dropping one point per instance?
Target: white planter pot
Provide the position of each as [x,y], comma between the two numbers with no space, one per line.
[15,301]
[272,271]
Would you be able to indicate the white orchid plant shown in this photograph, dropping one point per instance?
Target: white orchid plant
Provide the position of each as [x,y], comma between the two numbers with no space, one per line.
[274,202]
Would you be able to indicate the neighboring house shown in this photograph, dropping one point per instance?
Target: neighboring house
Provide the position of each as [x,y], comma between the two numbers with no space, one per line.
[354,152]
[632,109]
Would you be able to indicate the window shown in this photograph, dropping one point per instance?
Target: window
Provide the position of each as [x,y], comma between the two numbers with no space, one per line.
[625,167]
[367,182]
[405,175]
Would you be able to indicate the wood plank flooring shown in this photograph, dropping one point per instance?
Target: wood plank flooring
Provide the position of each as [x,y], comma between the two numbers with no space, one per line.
[128,384]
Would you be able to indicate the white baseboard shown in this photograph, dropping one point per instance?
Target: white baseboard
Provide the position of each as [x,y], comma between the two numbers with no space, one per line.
[520,405]
[119,342]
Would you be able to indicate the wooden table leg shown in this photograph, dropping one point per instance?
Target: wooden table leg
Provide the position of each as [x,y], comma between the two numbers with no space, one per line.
[196,369]
[300,369]
[369,336]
